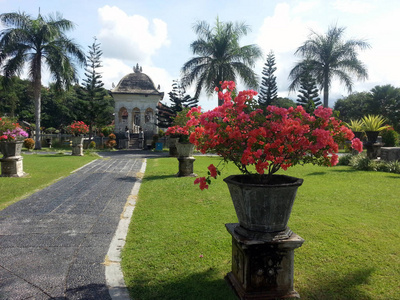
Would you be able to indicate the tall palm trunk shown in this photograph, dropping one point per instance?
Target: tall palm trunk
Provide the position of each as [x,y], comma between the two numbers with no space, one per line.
[326,91]
[37,86]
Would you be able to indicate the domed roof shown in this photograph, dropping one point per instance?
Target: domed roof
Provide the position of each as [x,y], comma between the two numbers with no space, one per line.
[136,83]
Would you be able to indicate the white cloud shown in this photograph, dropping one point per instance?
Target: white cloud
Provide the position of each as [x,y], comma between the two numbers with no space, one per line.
[132,38]
[353,6]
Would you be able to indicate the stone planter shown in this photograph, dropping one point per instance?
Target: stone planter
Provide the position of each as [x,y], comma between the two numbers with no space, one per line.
[262,244]
[263,210]
[172,147]
[372,136]
[11,148]
[77,146]
[11,162]
[185,149]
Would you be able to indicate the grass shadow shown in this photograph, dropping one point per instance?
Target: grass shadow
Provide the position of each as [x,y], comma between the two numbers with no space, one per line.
[158,177]
[316,173]
[343,288]
[196,286]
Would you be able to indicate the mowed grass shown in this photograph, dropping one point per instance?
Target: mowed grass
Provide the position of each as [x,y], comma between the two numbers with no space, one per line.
[178,247]
[42,170]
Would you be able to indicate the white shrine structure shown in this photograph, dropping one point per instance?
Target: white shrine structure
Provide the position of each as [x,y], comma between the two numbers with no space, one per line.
[136,101]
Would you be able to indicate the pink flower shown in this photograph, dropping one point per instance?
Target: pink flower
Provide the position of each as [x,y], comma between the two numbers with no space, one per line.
[213,171]
[356,144]
[202,181]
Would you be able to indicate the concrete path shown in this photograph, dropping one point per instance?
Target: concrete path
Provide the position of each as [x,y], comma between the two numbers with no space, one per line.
[53,244]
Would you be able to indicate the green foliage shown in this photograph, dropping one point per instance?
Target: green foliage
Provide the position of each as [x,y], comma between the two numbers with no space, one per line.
[268,89]
[92,145]
[283,102]
[390,137]
[373,123]
[107,130]
[344,160]
[356,125]
[353,107]
[361,162]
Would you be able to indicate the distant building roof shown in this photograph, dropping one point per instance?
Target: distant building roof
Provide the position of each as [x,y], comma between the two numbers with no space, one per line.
[136,83]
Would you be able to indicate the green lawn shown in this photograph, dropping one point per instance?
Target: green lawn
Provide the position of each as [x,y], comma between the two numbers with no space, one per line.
[42,170]
[178,247]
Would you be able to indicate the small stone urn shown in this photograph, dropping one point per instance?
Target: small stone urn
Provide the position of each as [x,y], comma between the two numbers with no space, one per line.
[186,159]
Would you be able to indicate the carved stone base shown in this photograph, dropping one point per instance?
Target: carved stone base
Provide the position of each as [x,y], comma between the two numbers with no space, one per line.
[12,167]
[262,269]
[77,150]
[186,167]
[373,150]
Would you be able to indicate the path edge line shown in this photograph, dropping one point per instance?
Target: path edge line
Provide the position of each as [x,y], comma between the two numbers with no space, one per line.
[113,272]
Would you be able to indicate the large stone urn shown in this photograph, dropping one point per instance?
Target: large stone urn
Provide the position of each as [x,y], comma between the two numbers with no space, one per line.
[262,243]
[173,151]
[186,159]
[77,145]
[11,162]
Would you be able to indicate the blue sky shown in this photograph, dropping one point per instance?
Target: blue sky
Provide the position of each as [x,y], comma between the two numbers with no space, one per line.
[157,34]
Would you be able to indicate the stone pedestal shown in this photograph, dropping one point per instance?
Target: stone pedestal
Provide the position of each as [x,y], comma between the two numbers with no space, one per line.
[390,153]
[12,166]
[186,166]
[77,146]
[262,269]
[373,150]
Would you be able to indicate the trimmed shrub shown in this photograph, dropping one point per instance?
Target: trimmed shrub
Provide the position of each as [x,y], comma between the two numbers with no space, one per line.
[92,145]
[344,160]
[29,143]
[390,137]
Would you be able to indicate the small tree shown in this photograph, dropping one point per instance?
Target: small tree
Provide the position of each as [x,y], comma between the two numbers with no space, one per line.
[308,92]
[94,104]
[268,88]
[179,99]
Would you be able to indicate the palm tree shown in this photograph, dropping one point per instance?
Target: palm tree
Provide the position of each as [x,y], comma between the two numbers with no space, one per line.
[35,42]
[220,57]
[329,57]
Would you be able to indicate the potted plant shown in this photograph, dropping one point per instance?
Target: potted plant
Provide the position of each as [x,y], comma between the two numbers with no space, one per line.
[11,137]
[372,125]
[269,140]
[357,127]
[181,129]
[77,129]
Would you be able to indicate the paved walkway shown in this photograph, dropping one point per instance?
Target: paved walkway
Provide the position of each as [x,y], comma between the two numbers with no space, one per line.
[53,244]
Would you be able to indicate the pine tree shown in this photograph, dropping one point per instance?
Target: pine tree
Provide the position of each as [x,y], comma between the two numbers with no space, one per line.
[308,97]
[95,104]
[268,88]
[179,100]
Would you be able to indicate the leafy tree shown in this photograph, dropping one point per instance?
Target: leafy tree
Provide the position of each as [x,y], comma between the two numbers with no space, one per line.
[308,93]
[16,99]
[283,102]
[94,106]
[329,56]
[36,42]
[268,88]
[179,99]
[353,107]
[219,57]
[385,100]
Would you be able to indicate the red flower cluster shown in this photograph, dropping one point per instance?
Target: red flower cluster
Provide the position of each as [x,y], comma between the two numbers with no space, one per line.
[240,132]
[78,128]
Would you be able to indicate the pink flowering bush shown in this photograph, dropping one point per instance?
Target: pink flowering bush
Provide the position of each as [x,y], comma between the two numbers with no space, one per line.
[262,142]
[78,128]
[183,124]
[11,131]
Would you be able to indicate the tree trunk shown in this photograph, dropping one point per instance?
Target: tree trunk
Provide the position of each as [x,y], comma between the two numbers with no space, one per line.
[37,85]
[326,92]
